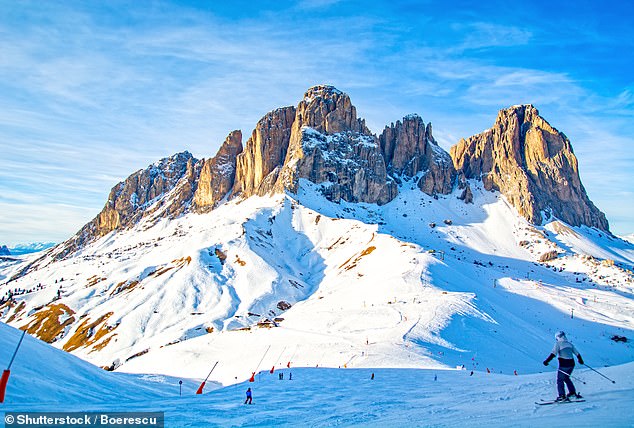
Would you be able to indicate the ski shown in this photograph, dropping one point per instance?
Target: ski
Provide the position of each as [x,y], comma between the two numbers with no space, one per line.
[546,403]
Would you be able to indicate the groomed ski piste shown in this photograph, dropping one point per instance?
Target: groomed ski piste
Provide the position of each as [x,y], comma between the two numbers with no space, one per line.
[416,290]
[44,379]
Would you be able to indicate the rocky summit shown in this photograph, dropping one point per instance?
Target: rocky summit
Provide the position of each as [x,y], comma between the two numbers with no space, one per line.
[322,140]
[532,164]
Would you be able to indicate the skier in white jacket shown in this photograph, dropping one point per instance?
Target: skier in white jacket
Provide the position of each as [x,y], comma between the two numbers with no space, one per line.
[565,351]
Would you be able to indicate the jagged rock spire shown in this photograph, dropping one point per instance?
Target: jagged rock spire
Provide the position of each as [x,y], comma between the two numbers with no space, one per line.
[217,175]
[409,149]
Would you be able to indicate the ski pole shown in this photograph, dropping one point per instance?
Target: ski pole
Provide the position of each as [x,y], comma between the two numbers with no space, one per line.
[569,375]
[600,373]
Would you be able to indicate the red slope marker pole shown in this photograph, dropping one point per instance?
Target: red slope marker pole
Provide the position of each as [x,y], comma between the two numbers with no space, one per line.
[5,374]
[290,359]
[252,379]
[202,385]
[278,358]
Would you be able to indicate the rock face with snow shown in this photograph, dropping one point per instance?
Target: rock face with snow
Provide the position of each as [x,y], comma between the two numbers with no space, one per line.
[4,251]
[329,145]
[409,149]
[322,140]
[217,175]
[132,198]
[532,164]
[140,195]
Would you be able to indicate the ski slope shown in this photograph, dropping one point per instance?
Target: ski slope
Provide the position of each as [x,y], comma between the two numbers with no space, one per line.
[46,379]
[409,290]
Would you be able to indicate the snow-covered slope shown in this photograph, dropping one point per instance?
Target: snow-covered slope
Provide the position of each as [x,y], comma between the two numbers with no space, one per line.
[46,379]
[43,375]
[419,282]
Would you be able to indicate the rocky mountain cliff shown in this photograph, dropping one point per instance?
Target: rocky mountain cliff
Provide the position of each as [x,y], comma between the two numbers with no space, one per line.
[4,251]
[322,140]
[409,149]
[140,195]
[532,164]
[217,175]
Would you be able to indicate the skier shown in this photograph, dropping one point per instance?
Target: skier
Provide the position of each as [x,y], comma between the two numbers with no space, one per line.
[565,351]
[249,399]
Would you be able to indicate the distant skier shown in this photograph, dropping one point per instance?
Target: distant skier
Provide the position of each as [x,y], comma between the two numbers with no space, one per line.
[249,399]
[565,351]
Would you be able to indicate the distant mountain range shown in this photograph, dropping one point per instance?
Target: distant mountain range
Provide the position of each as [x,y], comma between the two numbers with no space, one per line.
[21,249]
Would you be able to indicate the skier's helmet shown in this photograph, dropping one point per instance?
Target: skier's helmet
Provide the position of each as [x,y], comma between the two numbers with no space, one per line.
[560,336]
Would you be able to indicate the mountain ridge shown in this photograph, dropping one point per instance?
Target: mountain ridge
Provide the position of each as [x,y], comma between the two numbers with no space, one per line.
[323,140]
[318,234]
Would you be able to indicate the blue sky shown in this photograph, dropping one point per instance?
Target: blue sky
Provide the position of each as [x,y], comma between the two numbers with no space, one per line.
[92,91]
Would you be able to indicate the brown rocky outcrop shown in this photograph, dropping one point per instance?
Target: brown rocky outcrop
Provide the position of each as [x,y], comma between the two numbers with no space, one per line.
[409,148]
[217,175]
[131,198]
[264,152]
[329,145]
[328,110]
[140,195]
[348,165]
[532,164]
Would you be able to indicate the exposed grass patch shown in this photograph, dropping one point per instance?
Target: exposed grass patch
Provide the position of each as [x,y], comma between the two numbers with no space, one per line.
[126,286]
[87,333]
[350,263]
[103,344]
[46,324]
[94,280]
[16,312]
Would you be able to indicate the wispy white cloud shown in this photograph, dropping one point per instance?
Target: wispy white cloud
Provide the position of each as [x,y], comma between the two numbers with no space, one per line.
[480,35]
